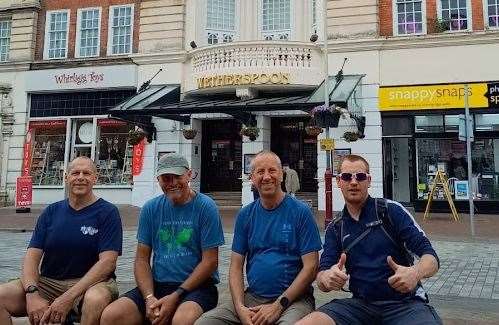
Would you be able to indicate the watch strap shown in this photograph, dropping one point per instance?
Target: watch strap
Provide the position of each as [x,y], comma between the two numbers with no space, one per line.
[31,289]
[181,292]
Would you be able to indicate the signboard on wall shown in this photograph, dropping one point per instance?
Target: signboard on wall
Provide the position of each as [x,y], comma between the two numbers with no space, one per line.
[24,192]
[493,94]
[432,97]
[82,78]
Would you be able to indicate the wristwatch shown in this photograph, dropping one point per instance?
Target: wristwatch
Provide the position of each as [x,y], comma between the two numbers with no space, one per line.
[284,302]
[181,292]
[31,289]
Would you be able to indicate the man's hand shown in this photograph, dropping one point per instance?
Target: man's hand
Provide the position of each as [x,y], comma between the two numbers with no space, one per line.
[405,278]
[167,306]
[336,277]
[58,310]
[151,313]
[266,314]
[35,307]
[245,315]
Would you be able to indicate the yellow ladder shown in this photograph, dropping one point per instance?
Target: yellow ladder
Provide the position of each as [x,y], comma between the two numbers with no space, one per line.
[441,181]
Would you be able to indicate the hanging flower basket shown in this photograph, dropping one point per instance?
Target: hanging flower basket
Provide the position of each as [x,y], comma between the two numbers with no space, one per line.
[325,116]
[351,136]
[313,130]
[135,136]
[250,131]
[189,134]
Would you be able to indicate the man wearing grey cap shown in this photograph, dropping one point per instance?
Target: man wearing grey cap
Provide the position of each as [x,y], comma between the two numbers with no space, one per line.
[184,230]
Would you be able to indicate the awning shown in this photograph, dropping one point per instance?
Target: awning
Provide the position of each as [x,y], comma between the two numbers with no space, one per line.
[164,101]
[341,89]
[135,107]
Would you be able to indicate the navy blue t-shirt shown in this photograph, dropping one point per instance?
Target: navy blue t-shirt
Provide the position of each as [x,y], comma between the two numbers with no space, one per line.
[72,240]
[366,261]
[273,242]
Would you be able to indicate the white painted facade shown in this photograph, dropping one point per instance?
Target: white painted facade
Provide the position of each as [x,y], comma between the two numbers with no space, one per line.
[167,28]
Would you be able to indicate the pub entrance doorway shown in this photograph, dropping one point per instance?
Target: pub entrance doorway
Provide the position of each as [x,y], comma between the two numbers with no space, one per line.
[221,156]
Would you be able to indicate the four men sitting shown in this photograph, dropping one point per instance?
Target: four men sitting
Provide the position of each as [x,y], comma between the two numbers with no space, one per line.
[276,236]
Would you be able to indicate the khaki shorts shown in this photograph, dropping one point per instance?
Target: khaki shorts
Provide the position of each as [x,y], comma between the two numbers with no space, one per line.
[226,313]
[50,289]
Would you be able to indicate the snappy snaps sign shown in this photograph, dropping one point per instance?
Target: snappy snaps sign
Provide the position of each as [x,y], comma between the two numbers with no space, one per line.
[432,97]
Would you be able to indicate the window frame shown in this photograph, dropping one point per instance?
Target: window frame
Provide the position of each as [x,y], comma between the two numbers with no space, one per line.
[424,29]
[262,34]
[46,42]
[469,17]
[220,32]
[78,32]
[110,29]
[7,20]
[486,15]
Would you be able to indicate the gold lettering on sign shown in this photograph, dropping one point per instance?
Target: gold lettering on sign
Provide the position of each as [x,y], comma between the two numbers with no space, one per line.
[277,78]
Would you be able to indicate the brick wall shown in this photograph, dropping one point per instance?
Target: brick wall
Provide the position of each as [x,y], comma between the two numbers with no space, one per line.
[73,6]
[386,16]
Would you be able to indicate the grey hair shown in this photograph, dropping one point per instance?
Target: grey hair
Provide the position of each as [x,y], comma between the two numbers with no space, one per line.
[262,154]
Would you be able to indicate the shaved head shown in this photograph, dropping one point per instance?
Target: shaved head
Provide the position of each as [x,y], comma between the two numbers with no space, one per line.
[82,159]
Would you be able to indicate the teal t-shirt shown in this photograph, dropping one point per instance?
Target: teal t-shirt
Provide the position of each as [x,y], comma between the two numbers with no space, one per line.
[178,234]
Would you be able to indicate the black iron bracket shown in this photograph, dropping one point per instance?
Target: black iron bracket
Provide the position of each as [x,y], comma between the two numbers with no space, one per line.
[246,118]
[149,128]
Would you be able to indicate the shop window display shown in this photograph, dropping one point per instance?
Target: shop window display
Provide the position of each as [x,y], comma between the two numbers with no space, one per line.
[113,153]
[47,157]
[449,155]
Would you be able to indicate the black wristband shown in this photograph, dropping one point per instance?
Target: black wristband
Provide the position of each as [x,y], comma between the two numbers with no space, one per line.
[181,292]
[31,289]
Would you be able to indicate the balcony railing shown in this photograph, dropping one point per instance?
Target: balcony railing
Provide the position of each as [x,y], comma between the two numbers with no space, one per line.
[303,61]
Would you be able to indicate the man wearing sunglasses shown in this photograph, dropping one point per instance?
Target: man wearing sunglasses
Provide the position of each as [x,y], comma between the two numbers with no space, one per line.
[370,245]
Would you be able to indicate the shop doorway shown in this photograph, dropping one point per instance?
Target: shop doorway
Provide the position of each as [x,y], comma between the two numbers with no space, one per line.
[292,144]
[221,156]
[398,169]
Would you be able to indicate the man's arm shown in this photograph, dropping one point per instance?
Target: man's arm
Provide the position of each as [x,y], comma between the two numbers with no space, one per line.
[270,313]
[405,279]
[203,271]
[97,273]
[304,278]
[142,270]
[236,280]
[30,273]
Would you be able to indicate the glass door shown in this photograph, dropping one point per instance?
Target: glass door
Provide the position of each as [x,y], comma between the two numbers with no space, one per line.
[82,139]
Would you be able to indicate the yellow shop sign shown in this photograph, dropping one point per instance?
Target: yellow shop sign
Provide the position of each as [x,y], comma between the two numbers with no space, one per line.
[277,78]
[432,97]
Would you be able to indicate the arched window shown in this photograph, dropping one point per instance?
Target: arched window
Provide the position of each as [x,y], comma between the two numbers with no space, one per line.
[276,19]
[220,21]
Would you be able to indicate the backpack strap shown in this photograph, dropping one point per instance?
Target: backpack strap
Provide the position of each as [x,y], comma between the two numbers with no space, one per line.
[389,229]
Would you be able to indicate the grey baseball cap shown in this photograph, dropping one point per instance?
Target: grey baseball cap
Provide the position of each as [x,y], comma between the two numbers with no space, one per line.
[172,164]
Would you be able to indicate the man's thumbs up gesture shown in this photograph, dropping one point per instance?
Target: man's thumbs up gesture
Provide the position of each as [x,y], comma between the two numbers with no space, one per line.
[405,278]
[334,278]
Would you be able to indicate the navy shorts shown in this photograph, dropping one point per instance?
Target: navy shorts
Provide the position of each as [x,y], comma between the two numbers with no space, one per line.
[205,296]
[353,311]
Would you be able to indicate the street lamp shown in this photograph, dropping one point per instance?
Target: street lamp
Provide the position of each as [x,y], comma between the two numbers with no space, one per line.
[328,174]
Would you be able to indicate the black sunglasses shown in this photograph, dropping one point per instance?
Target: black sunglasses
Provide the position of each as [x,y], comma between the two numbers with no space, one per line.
[359,177]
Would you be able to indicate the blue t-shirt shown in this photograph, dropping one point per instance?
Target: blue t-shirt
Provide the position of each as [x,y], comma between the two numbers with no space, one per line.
[178,235]
[72,240]
[273,242]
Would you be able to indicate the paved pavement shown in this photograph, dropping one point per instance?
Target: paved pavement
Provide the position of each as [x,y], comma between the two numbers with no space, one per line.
[465,290]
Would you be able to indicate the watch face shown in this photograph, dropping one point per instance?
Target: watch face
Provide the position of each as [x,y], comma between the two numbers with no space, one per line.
[31,289]
[284,301]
